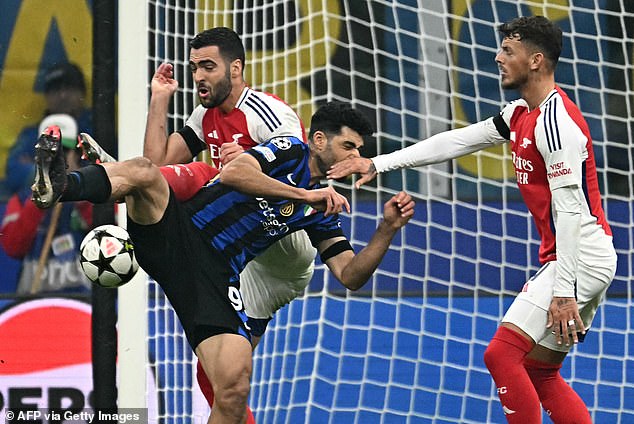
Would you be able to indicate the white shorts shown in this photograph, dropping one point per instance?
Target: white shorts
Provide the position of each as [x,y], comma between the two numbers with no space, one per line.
[529,310]
[277,276]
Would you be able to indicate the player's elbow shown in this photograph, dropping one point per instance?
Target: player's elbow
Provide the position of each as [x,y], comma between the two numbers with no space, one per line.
[239,170]
[353,284]
[353,287]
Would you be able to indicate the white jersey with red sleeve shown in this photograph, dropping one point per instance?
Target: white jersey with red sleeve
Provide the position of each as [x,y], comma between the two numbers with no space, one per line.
[551,148]
[256,118]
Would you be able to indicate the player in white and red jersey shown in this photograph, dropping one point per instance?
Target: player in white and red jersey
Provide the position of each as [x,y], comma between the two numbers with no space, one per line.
[231,118]
[255,118]
[556,174]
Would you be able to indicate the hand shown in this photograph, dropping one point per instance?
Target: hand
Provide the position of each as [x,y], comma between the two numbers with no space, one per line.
[229,151]
[163,81]
[363,166]
[398,210]
[327,200]
[563,316]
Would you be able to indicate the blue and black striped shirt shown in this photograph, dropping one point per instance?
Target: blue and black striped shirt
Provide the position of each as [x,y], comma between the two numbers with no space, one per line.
[240,227]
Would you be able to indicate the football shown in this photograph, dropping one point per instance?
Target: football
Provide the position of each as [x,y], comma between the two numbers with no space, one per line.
[107,256]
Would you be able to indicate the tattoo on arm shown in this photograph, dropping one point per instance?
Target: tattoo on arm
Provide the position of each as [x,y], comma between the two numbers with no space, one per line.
[371,168]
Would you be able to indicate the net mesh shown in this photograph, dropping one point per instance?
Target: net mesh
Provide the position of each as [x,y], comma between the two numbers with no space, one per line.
[408,347]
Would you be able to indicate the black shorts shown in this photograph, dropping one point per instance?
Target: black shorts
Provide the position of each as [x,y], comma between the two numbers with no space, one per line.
[194,276]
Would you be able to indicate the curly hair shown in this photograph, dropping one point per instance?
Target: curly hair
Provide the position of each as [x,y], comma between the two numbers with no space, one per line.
[538,32]
[333,116]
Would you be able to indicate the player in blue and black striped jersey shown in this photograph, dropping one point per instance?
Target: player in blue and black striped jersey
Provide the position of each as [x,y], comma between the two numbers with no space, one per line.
[240,226]
[196,249]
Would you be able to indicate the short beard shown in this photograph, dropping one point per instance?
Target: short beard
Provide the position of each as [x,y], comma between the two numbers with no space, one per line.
[510,85]
[515,84]
[322,165]
[220,94]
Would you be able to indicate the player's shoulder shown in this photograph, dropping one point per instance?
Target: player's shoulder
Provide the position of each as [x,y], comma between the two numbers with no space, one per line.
[561,115]
[256,100]
[285,143]
[511,111]
[267,115]
[277,147]
[557,107]
[514,106]
[199,112]
[558,102]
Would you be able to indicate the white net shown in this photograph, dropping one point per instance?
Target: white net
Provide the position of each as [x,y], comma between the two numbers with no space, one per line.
[408,347]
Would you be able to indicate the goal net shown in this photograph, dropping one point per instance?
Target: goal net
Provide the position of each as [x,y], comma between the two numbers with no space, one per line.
[409,346]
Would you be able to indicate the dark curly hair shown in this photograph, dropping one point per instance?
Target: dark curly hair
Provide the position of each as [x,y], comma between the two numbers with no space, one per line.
[332,117]
[538,32]
[227,40]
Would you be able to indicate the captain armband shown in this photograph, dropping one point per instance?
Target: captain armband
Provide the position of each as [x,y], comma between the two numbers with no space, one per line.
[335,249]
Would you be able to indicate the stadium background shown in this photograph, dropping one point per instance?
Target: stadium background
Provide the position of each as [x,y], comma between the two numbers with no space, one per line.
[34,33]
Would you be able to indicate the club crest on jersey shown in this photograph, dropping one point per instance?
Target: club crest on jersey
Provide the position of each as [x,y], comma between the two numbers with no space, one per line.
[282,143]
[526,142]
[266,152]
[287,209]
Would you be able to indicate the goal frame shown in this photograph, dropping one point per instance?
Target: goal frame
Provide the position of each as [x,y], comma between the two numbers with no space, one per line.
[132,107]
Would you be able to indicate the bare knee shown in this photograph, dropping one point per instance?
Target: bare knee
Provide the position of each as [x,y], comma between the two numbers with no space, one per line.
[131,175]
[142,186]
[143,172]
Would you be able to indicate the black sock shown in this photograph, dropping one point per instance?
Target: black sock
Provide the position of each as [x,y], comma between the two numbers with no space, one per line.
[88,183]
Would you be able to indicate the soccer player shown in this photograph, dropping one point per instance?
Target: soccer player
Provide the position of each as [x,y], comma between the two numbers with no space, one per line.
[196,250]
[556,175]
[230,118]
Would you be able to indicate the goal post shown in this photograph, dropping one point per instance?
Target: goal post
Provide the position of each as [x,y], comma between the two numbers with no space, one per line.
[409,346]
[133,80]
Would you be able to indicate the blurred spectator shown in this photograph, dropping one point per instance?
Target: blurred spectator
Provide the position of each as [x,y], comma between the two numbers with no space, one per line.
[48,241]
[64,92]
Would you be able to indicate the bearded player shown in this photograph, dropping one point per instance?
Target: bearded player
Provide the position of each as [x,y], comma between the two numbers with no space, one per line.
[556,175]
[231,118]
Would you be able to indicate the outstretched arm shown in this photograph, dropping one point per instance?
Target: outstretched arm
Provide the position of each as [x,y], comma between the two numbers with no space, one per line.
[437,148]
[244,174]
[353,271]
[158,147]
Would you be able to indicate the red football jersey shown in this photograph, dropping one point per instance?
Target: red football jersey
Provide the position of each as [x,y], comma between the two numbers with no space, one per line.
[257,117]
[551,147]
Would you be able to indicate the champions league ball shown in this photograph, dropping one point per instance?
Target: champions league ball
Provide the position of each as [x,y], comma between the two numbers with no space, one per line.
[107,256]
